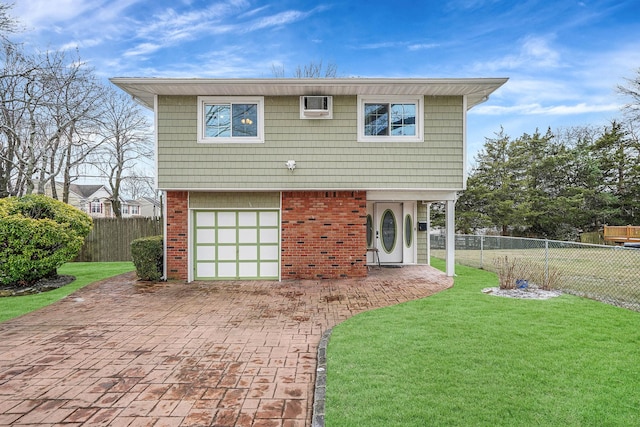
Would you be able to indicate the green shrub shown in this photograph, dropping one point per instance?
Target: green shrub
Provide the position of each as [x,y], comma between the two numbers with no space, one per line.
[39,234]
[147,257]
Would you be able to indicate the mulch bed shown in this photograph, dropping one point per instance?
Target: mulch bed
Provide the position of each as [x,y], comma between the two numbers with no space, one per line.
[42,285]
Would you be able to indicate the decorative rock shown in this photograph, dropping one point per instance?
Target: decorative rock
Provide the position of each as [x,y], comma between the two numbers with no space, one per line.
[532,292]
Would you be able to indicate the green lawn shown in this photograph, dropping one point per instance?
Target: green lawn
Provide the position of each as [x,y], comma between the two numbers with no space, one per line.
[463,358]
[85,273]
[601,273]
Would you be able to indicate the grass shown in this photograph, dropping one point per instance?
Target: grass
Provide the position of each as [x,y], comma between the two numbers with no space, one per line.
[602,273]
[85,273]
[462,357]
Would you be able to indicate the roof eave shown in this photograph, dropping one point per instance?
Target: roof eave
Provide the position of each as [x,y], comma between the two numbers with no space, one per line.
[145,89]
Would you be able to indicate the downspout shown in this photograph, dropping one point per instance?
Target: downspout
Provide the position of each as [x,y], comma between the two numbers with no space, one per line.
[428,233]
[163,197]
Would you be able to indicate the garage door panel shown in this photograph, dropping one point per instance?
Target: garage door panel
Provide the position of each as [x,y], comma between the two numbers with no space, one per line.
[227,235]
[206,253]
[248,269]
[247,219]
[226,219]
[227,270]
[227,253]
[269,219]
[206,235]
[269,235]
[206,219]
[248,253]
[248,235]
[206,269]
[236,244]
[269,269]
[269,253]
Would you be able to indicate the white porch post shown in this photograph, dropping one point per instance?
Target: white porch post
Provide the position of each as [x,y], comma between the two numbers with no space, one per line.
[450,218]
[429,233]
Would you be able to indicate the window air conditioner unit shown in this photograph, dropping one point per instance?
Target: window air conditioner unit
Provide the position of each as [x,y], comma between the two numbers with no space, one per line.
[316,107]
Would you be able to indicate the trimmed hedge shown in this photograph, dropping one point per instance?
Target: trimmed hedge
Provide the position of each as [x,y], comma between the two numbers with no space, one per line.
[39,234]
[147,257]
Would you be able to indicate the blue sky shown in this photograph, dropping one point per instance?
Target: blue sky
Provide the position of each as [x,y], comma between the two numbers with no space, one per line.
[564,58]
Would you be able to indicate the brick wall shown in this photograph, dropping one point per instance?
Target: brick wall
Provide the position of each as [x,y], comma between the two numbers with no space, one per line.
[177,203]
[324,234]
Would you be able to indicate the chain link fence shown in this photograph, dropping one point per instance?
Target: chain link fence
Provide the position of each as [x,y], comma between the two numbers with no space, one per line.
[610,274]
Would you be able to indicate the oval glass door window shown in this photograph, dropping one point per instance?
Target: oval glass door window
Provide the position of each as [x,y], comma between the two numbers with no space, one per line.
[369,231]
[389,231]
[408,230]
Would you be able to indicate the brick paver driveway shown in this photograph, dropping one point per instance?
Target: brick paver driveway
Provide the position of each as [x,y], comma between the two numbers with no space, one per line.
[125,353]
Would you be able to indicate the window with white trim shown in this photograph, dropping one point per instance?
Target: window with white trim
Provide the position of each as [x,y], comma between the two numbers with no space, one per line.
[95,207]
[390,118]
[225,119]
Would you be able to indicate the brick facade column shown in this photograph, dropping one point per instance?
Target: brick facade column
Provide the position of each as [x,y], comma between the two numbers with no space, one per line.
[177,205]
[324,234]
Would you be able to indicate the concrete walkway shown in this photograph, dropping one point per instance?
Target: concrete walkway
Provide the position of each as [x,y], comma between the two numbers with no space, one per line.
[125,353]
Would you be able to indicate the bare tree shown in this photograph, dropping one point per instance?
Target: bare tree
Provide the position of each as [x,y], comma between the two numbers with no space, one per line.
[54,118]
[8,24]
[73,109]
[137,185]
[126,140]
[18,124]
[312,70]
[632,92]
[46,99]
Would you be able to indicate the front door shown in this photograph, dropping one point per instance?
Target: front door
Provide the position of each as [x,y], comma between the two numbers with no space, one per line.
[388,232]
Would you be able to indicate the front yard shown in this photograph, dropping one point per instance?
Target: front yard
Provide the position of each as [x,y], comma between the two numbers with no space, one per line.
[462,357]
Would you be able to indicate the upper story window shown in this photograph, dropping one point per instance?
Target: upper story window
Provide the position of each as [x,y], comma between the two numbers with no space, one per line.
[230,119]
[390,118]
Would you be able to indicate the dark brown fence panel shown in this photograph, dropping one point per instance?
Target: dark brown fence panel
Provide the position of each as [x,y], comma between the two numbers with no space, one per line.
[111,238]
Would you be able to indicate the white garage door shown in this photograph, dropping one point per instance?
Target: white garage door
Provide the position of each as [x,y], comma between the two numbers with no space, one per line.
[236,244]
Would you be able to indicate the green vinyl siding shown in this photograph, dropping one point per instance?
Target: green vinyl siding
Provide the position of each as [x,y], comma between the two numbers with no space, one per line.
[234,200]
[326,152]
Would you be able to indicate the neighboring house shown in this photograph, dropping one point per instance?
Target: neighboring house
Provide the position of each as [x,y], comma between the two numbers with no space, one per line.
[149,207]
[95,200]
[305,178]
[130,208]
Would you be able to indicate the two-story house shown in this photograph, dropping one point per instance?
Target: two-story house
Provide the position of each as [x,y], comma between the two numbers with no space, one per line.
[305,178]
[96,200]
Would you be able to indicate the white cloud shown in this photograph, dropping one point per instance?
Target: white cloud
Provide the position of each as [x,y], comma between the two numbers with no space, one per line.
[538,109]
[143,49]
[36,13]
[421,46]
[171,27]
[398,44]
[278,19]
[44,14]
[86,43]
[381,45]
[535,52]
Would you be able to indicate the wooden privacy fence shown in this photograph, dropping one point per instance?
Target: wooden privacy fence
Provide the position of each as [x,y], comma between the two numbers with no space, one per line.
[111,238]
